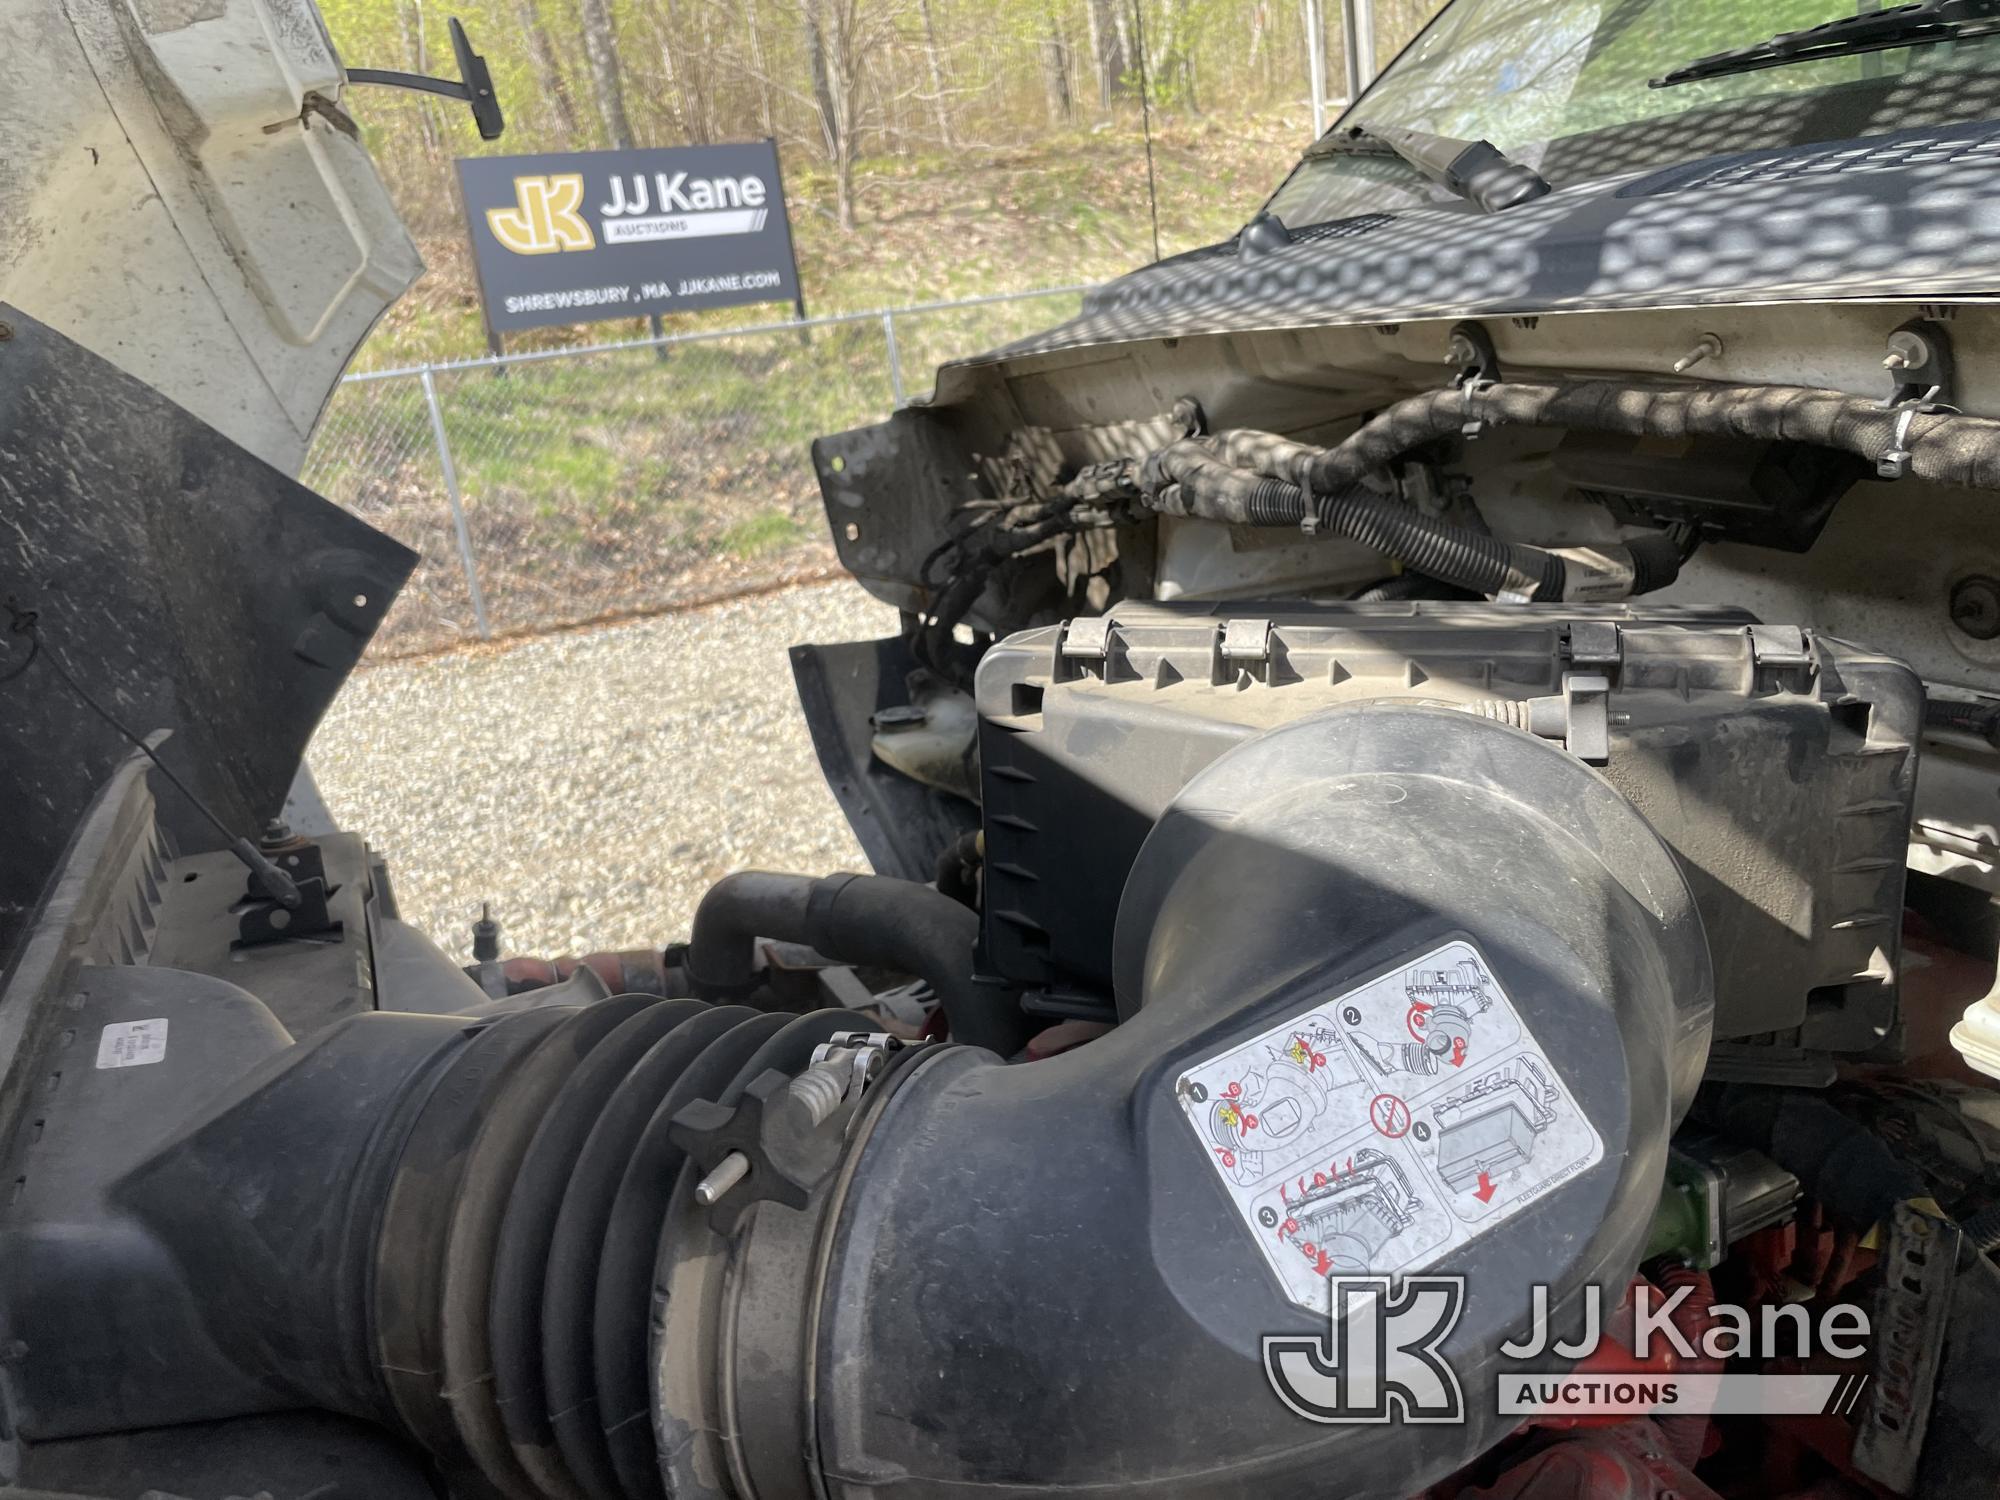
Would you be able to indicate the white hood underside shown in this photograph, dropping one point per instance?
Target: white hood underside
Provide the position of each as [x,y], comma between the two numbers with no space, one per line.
[172,198]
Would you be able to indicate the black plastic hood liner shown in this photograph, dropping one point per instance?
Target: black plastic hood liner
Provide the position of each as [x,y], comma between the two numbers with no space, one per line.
[1907,214]
[187,584]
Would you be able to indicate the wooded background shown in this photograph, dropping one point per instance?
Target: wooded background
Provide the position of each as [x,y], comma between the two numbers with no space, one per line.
[880,107]
[846,79]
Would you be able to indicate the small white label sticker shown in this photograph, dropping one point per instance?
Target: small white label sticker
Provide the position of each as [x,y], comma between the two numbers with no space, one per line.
[133,1044]
[1383,1128]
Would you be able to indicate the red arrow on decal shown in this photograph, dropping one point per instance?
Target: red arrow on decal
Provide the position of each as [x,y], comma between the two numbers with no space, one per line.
[1484,1192]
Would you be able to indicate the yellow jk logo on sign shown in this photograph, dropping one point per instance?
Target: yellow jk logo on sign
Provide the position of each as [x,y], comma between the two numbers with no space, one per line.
[544,217]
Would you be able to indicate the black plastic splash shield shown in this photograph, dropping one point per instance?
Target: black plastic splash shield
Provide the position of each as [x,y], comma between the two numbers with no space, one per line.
[189,584]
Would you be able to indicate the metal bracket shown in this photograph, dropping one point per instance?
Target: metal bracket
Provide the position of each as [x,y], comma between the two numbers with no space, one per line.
[1922,379]
[265,919]
[1471,349]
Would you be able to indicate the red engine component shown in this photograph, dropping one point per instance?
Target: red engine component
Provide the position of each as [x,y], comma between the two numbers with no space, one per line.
[1632,1461]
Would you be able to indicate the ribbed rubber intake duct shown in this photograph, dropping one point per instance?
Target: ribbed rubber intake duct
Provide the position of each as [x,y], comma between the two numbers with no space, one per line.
[995,1279]
[501,1312]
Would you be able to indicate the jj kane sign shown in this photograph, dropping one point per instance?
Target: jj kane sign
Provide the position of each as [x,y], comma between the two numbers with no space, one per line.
[578,237]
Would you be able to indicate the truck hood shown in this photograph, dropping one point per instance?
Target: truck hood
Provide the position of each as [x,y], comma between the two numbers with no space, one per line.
[181,193]
[1911,215]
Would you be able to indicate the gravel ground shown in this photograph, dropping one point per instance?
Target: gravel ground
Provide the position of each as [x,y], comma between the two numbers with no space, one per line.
[592,785]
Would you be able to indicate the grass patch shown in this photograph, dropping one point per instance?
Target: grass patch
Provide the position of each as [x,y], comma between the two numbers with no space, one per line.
[760,534]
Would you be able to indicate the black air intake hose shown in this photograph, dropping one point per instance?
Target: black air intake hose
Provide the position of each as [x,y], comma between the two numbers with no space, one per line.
[860,919]
[964,1278]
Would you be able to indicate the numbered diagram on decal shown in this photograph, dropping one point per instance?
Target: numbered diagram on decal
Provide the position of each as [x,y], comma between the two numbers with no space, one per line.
[1277,1103]
[1369,1212]
[1508,1131]
[1380,1127]
[1428,1020]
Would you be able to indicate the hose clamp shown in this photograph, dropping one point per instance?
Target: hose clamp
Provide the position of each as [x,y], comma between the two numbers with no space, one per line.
[1471,424]
[776,1141]
[1895,460]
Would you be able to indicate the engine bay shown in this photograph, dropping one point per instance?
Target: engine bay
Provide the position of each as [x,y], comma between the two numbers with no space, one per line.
[1430,934]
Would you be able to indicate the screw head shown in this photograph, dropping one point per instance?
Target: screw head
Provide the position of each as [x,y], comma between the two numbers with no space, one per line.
[1975,606]
[6,331]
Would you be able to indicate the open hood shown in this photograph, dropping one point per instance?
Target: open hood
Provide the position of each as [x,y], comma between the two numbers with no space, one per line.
[181,194]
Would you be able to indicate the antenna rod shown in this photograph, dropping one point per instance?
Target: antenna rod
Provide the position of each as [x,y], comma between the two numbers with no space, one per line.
[1146,114]
[277,884]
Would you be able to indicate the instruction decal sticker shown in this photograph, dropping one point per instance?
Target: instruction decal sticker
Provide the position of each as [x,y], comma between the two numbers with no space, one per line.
[132,1044]
[1383,1128]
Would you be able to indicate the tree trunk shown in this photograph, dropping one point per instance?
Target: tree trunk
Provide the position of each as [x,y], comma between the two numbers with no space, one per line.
[600,47]
[410,21]
[683,76]
[766,115]
[833,98]
[548,67]
[1055,73]
[934,58]
[1119,58]
[1108,52]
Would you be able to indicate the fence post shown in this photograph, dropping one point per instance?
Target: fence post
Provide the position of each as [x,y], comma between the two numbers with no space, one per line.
[895,359]
[457,505]
[1357,28]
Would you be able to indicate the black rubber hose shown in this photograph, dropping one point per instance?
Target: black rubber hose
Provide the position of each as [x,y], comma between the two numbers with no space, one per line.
[957,870]
[1184,478]
[859,919]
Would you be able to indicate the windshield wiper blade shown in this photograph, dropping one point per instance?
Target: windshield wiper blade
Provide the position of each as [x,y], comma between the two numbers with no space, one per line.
[1477,171]
[1873,31]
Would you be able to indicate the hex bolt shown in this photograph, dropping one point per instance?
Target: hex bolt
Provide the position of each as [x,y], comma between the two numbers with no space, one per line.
[1975,606]
[1907,351]
[1461,351]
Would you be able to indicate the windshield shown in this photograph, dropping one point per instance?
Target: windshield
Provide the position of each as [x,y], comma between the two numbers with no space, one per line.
[1562,86]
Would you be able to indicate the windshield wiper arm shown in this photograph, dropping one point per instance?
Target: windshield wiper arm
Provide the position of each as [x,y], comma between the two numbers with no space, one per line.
[1477,171]
[1874,31]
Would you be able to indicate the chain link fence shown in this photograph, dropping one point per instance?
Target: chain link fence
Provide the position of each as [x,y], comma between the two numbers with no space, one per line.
[570,486]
